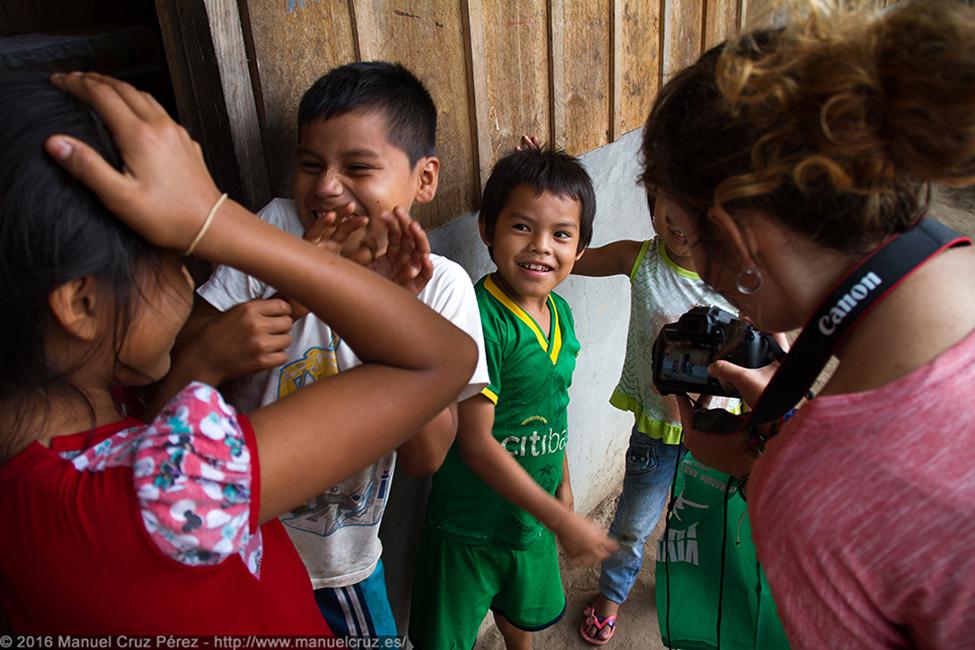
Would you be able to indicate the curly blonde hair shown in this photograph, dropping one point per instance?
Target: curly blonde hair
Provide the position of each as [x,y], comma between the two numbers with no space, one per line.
[834,124]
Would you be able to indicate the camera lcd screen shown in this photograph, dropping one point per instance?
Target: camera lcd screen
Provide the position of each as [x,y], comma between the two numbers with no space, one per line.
[685,363]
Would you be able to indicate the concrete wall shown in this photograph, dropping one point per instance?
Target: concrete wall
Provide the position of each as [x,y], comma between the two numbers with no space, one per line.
[598,433]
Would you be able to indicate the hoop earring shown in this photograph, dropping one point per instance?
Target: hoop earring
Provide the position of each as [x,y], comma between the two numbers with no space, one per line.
[749,281]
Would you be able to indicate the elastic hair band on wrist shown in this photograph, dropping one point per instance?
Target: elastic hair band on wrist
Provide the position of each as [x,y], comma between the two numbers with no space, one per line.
[206,225]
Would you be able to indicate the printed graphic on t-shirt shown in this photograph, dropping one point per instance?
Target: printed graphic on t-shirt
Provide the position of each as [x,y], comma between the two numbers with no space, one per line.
[356,501]
[542,441]
[315,364]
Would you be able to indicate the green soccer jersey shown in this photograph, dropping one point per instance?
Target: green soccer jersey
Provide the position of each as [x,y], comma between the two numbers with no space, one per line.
[530,373]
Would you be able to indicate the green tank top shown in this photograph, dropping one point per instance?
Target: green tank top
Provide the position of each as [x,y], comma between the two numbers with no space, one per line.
[530,373]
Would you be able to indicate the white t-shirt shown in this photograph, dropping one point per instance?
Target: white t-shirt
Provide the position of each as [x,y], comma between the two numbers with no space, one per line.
[337,533]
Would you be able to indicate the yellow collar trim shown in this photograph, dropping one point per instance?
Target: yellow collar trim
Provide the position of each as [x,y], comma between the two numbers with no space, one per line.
[523,316]
[678,269]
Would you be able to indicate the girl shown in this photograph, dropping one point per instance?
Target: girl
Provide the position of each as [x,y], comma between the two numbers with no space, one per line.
[663,285]
[116,526]
[790,162]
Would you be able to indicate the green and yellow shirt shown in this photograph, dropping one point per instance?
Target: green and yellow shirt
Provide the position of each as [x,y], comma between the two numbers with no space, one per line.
[530,374]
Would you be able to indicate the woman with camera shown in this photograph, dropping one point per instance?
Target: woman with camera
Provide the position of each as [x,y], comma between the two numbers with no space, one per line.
[794,155]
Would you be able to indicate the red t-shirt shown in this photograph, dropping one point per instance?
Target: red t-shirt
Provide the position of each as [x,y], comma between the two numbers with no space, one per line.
[146,529]
[863,513]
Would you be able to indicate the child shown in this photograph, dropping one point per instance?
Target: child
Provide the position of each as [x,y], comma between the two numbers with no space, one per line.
[367,134]
[504,488]
[115,526]
[663,285]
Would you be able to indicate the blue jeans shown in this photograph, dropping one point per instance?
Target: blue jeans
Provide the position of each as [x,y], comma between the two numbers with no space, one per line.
[650,465]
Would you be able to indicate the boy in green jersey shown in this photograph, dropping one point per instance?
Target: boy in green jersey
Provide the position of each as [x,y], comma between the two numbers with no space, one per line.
[502,495]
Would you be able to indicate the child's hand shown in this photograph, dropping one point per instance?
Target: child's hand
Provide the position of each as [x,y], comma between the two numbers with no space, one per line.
[332,230]
[583,540]
[251,337]
[528,142]
[393,245]
[407,260]
[164,192]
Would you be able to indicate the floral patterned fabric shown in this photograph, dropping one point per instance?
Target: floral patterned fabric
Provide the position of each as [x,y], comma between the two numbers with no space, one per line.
[192,473]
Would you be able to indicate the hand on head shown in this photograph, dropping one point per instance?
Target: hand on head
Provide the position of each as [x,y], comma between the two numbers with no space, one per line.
[165,191]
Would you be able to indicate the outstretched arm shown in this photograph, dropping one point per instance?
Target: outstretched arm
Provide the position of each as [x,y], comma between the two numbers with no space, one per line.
[317,436]
[478,448]
[612,259]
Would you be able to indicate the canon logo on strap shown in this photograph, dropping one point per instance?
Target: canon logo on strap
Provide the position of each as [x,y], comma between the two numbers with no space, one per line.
[849,301]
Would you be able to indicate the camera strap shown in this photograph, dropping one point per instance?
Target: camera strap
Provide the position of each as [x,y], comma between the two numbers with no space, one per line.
[869,282]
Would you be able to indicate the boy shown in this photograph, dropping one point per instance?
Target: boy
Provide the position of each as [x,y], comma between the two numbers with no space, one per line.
[366,143]
[504,488]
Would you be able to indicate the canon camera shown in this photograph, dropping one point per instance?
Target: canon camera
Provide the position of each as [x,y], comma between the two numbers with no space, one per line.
[684,350]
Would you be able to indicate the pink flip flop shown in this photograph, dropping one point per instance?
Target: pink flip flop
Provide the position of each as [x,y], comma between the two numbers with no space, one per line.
[591,619]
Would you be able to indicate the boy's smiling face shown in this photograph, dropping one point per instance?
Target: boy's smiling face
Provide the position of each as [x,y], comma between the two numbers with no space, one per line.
[348,158]
[535,242]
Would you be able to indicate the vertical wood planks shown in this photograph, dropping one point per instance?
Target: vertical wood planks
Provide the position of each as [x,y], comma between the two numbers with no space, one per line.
[720,21]
[230,52]
[205,47]
[477,89]
[682,25]
[641,60]
[615,69]
[578,73]
[556,71]
[429,39]
[293,43]
[517,72]
[586,34]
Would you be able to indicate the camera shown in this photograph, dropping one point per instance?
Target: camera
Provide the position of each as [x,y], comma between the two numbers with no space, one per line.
[683,351]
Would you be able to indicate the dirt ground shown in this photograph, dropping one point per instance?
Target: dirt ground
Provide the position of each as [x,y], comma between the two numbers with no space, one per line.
[637,624]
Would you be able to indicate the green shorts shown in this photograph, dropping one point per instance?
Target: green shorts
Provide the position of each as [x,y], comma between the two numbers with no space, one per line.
[456,584]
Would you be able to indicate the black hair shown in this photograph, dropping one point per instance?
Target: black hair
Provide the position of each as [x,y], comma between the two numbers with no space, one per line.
[411,115]
[52,230]
[546,170]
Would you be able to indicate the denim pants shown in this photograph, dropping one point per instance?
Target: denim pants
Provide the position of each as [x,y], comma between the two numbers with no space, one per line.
[650,466]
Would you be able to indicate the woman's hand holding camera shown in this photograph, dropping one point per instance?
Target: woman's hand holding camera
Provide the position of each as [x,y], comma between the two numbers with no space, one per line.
[728,453]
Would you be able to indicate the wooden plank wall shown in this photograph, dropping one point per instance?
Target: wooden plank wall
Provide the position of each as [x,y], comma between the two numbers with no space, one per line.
[577,73]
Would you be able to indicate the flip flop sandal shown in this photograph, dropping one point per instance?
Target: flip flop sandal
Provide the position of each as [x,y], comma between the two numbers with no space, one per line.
[591,619]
